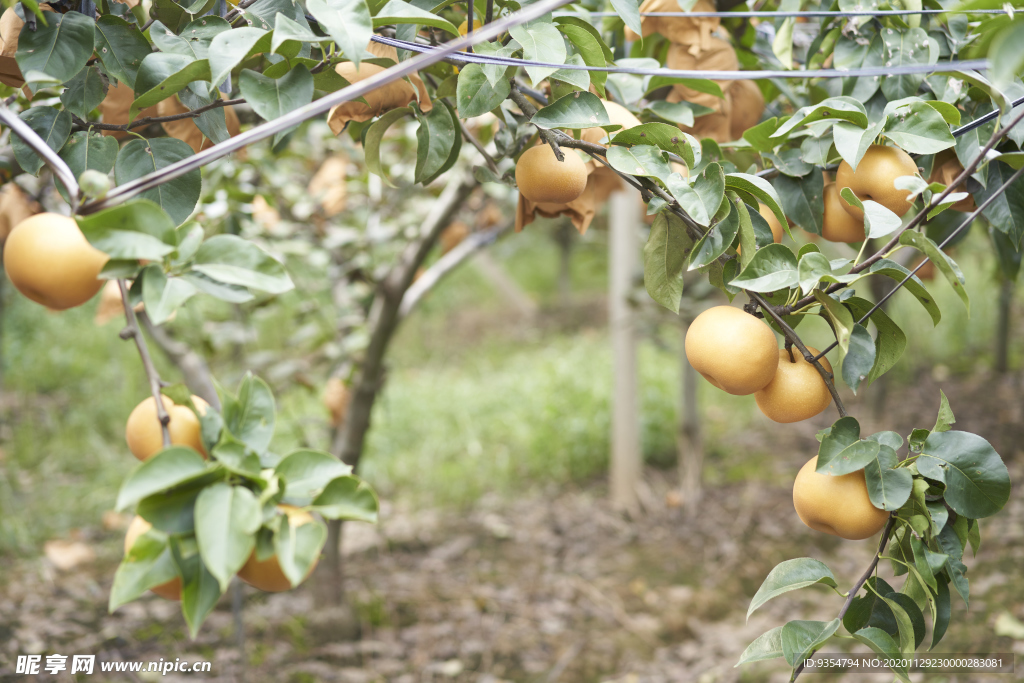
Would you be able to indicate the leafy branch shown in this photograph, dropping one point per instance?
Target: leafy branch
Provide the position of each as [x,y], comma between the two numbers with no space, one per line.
[81,124]
[59,167]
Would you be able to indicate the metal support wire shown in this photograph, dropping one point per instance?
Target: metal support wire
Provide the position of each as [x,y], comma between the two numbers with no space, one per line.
[768,14]
[880,72]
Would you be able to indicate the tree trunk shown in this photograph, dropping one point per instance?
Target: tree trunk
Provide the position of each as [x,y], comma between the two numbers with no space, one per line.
[689,441]
[384,317]
[1003,329]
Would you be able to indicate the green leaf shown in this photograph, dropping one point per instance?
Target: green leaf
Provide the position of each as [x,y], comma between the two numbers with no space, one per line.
[566,24]
[852,141]
[138,229]
[576,110]
[147,563]
[236,261]
[660,135]
[1006,212]
[782,45]
[977,482]
[347,22]
[298,547]
[890,341]
[475,95]
[251,418]
[904,623]
[162,295]
[889,487]
[399,12]
[665,255]
[375,134]
[59,47]
[903,48]
[84,92]
[229,48]
[710,188]
[195,37]
[914,285]
[273,98]
[716,241]
[51,125]
[236,456]
[860,357]
[843,433]
[495,73]
[812,267]
[944,263]
[200,590]
[227,518]
[773,267]
[591,50]
[945,417]
[629,12]
[943,609]
[641,160]
[878,220]
[306,474]
[703,85]
[883,644]
[768,645]
[435,139]
[688,198]
[1005,54]
[121,48]
[791,575]
[87,151]
[178,197]
[841,108]
[541,42]
[348,498]
[918,128]
[762,190]
[839,315]
[800,638]
[802,200]
[163,74]
[168,468]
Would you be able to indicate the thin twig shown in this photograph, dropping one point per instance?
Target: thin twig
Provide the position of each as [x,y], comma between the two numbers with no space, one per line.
[39,146]
[548,136]
[491,164]
[321,106]
[81,124]
[132,331]
[859,584]
[792,336]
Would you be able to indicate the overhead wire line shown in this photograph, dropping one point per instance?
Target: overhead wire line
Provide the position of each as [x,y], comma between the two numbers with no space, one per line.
[768,14]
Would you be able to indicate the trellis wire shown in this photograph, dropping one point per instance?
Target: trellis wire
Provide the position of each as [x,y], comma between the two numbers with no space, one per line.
[768,14]
[879,71]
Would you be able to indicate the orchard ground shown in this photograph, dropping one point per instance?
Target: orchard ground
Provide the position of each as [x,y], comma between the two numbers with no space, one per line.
[497,557]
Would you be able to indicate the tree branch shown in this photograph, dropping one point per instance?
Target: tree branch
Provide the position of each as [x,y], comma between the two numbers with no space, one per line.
[859,583]
[491,164]
[59,167]
[447,263]
[81,124]
[132,331]
[792,336]
[192,366]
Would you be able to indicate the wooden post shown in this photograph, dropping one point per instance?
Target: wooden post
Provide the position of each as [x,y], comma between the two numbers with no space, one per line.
[624,246]
[689,444]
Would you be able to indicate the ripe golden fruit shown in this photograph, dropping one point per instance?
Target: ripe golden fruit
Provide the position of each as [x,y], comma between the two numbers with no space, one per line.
[541,177]
[336,399]
[773,222]
[733,350]
[49,260]
[837,225]
[797,391]
[945,169]
[874,178]
[145,437]
[267,575]
[170,590]
[464,26]
[837,505]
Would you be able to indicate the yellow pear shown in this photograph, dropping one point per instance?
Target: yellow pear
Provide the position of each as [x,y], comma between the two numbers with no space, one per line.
[875,177]
[797,391]
[773,222]
[49,260]
[837,505]
[145,437]
[838,225]
[541,177]
[732,349]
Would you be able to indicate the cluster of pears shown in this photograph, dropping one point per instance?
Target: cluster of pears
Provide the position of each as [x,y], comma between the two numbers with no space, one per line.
[874,179]
[145,439]
[738,353]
